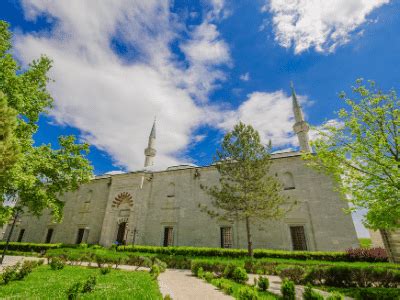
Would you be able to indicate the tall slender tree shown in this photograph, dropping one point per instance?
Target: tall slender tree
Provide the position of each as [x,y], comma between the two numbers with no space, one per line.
[246,190]
[35,175]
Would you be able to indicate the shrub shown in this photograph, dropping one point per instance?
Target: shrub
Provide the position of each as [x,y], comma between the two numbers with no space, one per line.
[263,283]
[74,290]
[335,296]
[376,293]
[310,294]
[228,271]
[288,290]
[167,297]
[295,274]
[105,270]
[208,276]
[162,265]
[155,271]
[56,263]
[240,275]
[25,269]
[89,284]
[10,273]
[247,293]
[348,276]
[367,254]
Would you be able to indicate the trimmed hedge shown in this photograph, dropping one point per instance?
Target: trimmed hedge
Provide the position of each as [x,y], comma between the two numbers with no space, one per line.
[209,252]
[238,253]
[30,247]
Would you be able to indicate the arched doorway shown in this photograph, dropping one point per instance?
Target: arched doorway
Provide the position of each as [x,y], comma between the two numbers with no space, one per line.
[121,232]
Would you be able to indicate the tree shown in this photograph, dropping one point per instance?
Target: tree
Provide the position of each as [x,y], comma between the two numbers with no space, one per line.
[363,154]
[35,175]
[246,190]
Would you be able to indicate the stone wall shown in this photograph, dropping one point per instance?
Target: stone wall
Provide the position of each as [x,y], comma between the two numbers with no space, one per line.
[150,201]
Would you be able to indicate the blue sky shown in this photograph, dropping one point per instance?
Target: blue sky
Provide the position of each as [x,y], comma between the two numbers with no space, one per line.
[199,66]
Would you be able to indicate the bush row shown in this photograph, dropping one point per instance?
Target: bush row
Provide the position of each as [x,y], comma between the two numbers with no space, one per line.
[335,276]
[351,255]
[367,255]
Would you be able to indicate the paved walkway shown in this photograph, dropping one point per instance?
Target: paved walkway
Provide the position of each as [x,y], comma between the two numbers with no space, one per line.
[182,285]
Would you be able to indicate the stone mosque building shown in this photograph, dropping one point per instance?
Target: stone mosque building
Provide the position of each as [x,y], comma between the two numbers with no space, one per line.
[161,208]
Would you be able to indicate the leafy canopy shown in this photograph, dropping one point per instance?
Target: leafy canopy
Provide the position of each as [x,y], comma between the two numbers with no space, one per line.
[35,175]
[363,154]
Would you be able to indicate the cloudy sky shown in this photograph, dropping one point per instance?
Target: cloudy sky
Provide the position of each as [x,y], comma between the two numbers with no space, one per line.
[199,67]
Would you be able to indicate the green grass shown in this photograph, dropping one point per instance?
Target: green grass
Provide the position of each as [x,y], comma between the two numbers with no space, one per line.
[365,242]
[44,283]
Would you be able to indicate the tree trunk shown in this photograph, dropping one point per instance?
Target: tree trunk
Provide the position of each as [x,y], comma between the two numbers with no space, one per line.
[249,242]
[390,246]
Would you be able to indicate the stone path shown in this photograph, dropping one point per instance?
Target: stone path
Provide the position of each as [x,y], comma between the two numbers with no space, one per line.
[182,285]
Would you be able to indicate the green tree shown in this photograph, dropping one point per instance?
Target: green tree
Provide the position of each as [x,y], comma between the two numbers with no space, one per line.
[35,175]
[362,153]
[246,191]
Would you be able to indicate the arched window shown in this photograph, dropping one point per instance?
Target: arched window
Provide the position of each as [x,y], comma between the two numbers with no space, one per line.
[171,190]
[288,181]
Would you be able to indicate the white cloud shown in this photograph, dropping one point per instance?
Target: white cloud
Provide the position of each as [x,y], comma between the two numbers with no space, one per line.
[270,113]
[114,102]
[245,77]
[318,24]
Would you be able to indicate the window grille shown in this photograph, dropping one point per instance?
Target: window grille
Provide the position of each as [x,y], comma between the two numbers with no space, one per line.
[226,237]
[298,238]
[168,236]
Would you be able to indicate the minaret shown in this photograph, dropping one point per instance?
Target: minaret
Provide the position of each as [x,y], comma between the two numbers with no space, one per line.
[150,151]
[301,127]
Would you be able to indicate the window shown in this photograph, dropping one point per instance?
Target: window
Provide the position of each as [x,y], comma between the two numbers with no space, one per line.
[79,238]
[21,235]
[226,237]
[121,233]
[168,236]
[49,235]
[288,181]
[298,238]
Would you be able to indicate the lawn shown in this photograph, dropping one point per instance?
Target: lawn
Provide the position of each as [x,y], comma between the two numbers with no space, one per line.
[44,283]
[365,242]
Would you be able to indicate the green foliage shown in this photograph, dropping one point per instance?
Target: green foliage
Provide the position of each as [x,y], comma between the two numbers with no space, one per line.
[248,293]
[246,190]
[155,271]
[365,242]
[74,290]
[335,296]
[310,294]
[167,297]
[288,290]
[37,174]
[56,263]
[363,154]
[208,276]
[347,276]
[44,283]
[105,270]
[10,273]
[30,247]
[89,285]
[263,283]
[18,271]
[295,274]
[240,275]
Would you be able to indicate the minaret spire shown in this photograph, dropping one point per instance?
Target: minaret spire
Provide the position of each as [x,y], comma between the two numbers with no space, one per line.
[301,127]
[150,151]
